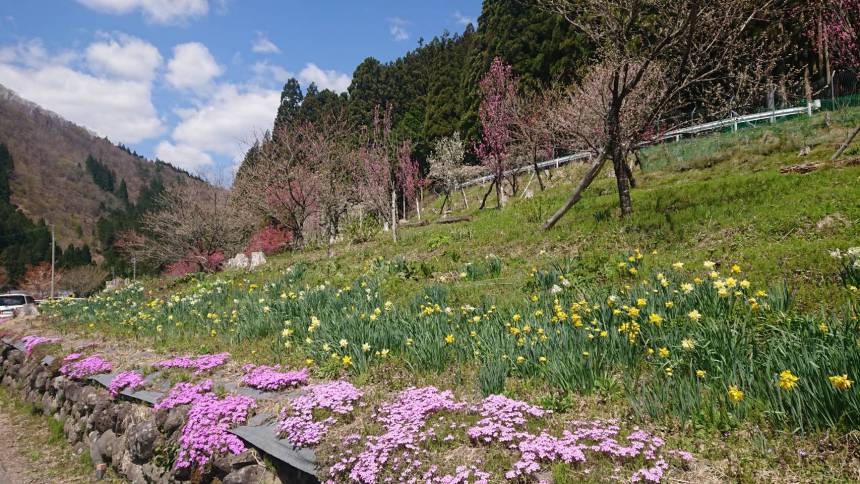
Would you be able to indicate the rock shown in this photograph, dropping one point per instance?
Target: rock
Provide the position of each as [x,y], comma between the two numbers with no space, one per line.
[168,420]
[119,450]
[232,462]
[104,416]
[104,446]
[239,261]
[805,151]
[832,221]
[255,474]
[257,259]
[142,441]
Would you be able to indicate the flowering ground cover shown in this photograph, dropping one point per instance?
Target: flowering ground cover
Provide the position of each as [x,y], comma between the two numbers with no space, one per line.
[78,369]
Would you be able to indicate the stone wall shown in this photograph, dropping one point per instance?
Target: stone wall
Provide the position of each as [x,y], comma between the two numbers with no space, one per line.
[136,441]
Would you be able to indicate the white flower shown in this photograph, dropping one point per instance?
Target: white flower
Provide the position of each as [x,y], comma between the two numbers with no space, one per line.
[836,254]
[555,289]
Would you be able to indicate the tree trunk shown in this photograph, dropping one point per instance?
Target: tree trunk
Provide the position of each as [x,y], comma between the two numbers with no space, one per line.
[394,215]
[499,190]
[465,198]
[489,191]
[589,177]
[537,171]
[846,144]
[623,182]
[444,201]
[418,206]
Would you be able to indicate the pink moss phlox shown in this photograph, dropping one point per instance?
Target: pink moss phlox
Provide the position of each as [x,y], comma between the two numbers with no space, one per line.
[206,435]
[269,378]
[31,342]
[72,357]
[93,365]
[404,421]
[297,422]
[130,380]
[502,418]
[199,364]
[183,394]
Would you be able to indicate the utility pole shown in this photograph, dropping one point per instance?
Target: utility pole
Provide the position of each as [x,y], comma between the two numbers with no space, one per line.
[53,260]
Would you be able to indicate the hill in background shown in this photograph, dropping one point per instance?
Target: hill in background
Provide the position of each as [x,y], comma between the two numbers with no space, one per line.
[52,180]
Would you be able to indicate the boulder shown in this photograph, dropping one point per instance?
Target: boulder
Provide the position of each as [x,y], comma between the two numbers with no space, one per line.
[255,474]
[104,447]
[142,441]
[257,260]
[238,262]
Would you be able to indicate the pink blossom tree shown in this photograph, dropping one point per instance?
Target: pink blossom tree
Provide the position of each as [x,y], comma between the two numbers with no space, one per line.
[498,94]
[839,25]
[408,175]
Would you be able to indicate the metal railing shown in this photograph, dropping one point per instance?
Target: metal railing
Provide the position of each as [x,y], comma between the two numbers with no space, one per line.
[675,134]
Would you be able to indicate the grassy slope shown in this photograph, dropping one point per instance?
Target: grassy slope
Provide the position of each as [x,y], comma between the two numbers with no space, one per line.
[719,197]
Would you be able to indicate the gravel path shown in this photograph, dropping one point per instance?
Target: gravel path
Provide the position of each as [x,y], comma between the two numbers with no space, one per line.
[13,464]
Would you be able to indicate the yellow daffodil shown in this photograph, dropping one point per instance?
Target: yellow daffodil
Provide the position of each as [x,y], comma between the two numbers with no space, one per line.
[735,394]
[694,315]
[701,373]
[840,382]
[788,380]
[449,339]
[663,352]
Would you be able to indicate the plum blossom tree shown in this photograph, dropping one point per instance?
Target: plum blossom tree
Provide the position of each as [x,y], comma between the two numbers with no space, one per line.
[702,51]
[532,132]
[839,22]
[496,112]
[193,229]
[446,166]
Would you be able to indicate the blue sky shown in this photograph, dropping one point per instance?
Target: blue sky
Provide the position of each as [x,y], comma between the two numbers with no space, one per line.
[193,81]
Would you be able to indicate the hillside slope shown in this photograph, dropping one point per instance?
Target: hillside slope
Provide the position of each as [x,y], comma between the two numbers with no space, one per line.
[51,181]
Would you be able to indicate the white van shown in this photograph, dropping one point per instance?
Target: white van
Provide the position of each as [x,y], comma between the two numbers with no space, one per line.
[17,304]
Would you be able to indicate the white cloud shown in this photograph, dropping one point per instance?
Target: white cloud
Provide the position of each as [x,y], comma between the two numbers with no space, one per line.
[183,156]
[32,53]
[225,125]
[262,45]
[157,11]
[119,109]
[336,81]
[463,19]
[397,28]
[125,57]
[192,67]
[265,73]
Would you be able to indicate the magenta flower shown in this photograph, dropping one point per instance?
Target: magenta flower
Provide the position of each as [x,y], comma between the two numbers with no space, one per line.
[297,421]
[269,378]
[199,364]
[78,370]
[206,435]
[31,342]
[183,394]
[127,379]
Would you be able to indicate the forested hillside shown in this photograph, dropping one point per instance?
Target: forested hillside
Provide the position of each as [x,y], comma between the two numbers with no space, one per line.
[53,172]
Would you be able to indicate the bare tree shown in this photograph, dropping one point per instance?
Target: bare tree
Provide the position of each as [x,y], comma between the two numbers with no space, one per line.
[703,52]
[83,280]
[498,91]
[194,224]
[532,132]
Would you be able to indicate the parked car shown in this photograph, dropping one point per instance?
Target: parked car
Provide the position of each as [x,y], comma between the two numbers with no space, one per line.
[17,304]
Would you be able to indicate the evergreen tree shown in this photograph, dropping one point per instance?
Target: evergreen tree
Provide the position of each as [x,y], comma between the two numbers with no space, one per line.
[102,176]
[6,170]
[291,101]
[122,193]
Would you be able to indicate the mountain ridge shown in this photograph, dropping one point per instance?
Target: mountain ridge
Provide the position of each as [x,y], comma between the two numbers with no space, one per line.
[50,180]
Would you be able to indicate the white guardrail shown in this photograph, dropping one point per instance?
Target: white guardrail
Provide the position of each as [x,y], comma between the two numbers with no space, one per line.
[674,134]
